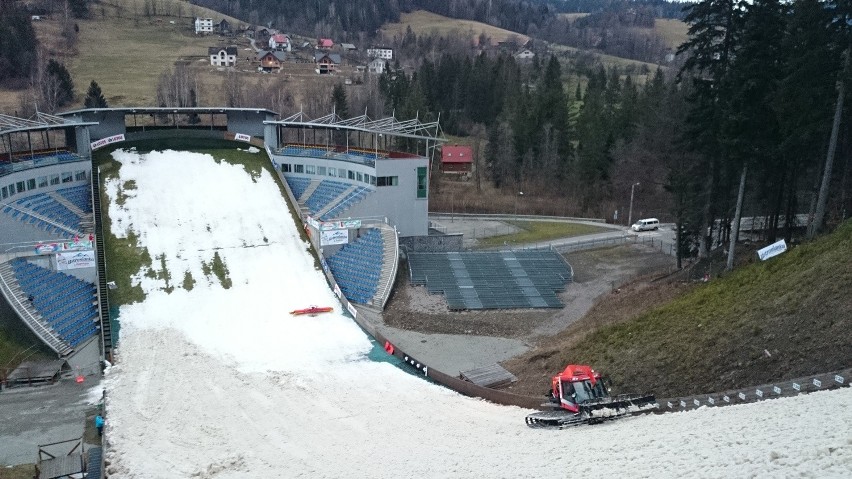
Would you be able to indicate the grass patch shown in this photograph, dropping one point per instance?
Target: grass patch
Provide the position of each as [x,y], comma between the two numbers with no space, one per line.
[536,231]
[124,257]
[219,268]
[188,281]
[783,318]
[424,23]
[22,471]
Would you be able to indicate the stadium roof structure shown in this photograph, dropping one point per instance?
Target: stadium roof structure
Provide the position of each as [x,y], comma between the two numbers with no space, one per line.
[42,121]
[168,109]
[390,126]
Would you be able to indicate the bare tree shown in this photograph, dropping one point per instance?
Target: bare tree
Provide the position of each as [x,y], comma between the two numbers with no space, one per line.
[235,92]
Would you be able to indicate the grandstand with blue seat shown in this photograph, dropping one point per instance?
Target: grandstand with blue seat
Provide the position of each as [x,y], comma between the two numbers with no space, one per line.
[66,304]
[357,266]
[341,206]
[297,185]
[325,193]
[79,196]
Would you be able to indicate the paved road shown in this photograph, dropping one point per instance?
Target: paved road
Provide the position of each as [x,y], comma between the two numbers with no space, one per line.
[474,227]
[41,415]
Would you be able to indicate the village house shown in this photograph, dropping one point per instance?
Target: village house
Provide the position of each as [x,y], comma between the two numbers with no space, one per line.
[279,41]
[325,44]
[224,27]
[377,65]
[327,63]
[271,61]
[384,53]
[456,159]
[222,56]
[203,25]
[348,47]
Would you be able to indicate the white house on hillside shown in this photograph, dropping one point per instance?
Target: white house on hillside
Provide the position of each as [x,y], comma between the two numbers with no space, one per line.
[203,25]
[279,41]
[377,65]
[222,57]
[384,53]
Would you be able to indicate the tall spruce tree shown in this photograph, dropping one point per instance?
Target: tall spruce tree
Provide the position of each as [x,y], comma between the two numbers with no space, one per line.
[751,129]
[95,97]
[714,28]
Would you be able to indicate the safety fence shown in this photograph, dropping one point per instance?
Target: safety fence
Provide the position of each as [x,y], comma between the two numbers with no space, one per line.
[786,388]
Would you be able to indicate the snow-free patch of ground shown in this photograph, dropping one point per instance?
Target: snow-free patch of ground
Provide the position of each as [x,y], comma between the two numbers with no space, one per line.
[224,383]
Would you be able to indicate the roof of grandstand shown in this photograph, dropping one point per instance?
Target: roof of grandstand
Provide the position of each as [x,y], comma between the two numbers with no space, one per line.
[413,128]
[42,121]
[169,109]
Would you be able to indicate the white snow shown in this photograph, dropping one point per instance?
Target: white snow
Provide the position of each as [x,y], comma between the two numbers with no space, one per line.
[224,383]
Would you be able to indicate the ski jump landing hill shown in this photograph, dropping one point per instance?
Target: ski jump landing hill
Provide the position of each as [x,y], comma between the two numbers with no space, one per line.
[358,195]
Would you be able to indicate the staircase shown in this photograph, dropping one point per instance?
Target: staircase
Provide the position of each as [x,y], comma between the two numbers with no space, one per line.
[336,201]
[103,294]
[308,191]
[87,223]
[390,260]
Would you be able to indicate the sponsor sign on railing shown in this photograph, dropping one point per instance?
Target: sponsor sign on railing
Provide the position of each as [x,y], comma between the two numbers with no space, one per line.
[242,137]
[107,141]
[338,225]
[76,245]
[333,237]
[75,260]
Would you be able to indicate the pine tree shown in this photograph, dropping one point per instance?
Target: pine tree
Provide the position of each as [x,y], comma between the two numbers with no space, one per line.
[59,79]
[714,29]
[94,97]
[338,99]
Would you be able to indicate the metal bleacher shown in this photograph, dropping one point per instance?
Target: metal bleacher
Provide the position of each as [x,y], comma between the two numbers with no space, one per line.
[297,185]
[357,267]
[66,305]
[61,213]
[324,194]
[493,280]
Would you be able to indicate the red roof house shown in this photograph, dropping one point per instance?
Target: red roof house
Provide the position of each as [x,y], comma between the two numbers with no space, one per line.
[325,43]
[456,159]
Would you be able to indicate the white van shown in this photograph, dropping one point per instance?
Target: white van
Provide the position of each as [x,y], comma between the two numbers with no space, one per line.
[647,224]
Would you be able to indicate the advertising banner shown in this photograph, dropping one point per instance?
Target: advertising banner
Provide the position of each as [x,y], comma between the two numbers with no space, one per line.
[337,291]
[352,310]
[79,243]
[107,141]
[333,237]
[242,137]
[75,260]
[343,224]
[47,248]
[314,223]
[772,250]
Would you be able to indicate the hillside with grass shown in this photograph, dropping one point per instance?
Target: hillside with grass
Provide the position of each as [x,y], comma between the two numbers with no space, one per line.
[786,317]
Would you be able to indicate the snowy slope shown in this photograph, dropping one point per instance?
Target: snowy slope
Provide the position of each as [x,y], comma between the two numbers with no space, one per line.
[223,383]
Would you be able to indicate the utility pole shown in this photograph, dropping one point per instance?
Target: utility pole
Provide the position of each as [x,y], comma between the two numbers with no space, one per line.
[630,211]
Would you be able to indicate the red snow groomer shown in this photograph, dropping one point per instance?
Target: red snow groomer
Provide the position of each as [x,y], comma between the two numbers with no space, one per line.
[579,395]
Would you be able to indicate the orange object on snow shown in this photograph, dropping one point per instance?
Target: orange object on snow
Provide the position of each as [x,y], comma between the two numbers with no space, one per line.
[312,310]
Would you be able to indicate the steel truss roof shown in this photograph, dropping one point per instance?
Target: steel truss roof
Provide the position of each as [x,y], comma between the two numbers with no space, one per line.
[413,128]
[42,121]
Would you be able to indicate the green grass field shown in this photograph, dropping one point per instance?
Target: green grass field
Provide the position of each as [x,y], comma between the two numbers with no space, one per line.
[537,231]
[423,23]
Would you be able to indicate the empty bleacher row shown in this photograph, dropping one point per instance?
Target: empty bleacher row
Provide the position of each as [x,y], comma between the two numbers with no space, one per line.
[337,153]
[47,212]
[24,162]
[493,280]
[328,199]
[67,305]
[357,266]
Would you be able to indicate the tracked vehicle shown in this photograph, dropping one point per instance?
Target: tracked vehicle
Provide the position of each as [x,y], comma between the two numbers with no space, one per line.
[579,395]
